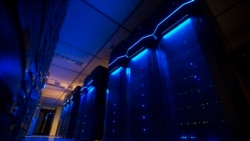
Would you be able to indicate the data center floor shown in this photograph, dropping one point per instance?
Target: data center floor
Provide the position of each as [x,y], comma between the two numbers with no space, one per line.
[44,138]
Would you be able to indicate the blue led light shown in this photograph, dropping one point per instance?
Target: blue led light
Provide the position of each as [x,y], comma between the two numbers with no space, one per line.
[144,37]
[177,29]
[140,55]
[90,82]
[137,52]
[115,72]
[187,137]
[193,137]
[120,57]
[91,89]
[183,137]
[128,72]
[171,14]
[153,34]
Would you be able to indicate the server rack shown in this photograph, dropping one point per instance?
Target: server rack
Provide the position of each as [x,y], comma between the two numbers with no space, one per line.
[92,105]
[69,114]
[163,87]
[26,54]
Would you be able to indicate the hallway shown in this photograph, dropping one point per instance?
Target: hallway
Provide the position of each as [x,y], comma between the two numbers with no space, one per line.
[137,70]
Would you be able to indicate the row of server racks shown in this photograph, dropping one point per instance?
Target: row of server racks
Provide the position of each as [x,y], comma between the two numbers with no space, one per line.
[164,84]
[26,53]
[82,114]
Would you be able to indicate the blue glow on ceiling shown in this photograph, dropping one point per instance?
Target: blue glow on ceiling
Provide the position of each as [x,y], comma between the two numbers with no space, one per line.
[153,34]
[84,28]
[177,29]
[107,7]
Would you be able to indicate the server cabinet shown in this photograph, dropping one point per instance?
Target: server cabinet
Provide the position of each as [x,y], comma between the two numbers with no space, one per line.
[115,115]
[84,118]
[197,105]
[92,105]
[65,117]
[69,114]
[166,88]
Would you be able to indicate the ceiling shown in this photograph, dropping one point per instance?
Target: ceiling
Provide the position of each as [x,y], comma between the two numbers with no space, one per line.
[91,29]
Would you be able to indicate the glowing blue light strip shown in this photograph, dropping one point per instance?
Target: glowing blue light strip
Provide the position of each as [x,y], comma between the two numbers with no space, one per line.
[82,89]
[91,89]
[171,14]
[141,54]
[87,86]
[174,25]
[90,82]
[123,56]
[116,71]
[153,34]
[177,29]
[141,49]
[147,36]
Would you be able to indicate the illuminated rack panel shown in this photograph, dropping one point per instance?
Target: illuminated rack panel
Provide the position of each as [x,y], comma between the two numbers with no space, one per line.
[65,118]
[163,25]
[166,92]
[197,107]
[69,114]
[37,40]
[85,108]
[90,115]
[147,99]
[115,115]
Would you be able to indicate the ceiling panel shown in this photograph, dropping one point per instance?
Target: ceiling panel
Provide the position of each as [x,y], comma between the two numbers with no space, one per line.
[70,58]
[77,83]
[110,8]
[120,35]
[61,74]
[93,64]
[61,100]
[85,28]
[52,92]
[104,53]
[218,6]
[145,10]
[48,102]
[91,29]
[236,30]
[80,79]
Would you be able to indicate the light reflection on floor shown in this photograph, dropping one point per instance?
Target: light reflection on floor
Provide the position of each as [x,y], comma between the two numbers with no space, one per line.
[44,138]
